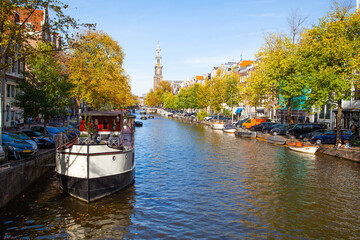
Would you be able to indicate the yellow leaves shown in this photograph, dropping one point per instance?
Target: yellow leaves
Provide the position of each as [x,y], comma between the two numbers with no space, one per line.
[96,70]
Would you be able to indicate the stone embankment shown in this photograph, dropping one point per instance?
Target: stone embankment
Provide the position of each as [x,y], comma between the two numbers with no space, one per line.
[17,176]
[352,153]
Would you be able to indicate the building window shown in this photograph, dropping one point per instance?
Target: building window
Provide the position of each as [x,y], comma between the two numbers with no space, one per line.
[15,67]
[13,91]
[325,112]
[105,124]
[8,91]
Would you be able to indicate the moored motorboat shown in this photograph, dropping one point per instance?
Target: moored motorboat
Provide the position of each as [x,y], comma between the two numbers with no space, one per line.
[245,133]
[276,140]
[217,125]
[229,128]
[151,117]
[299,147]
[143,117]
[138,124]
[101,163]
[142,112]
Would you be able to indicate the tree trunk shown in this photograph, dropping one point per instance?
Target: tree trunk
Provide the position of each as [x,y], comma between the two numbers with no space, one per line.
[78,102]
[338,123]
[255,113]
[289,109]
[232,115]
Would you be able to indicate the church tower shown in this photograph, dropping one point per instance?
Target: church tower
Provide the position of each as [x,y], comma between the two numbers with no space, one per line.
[158,67]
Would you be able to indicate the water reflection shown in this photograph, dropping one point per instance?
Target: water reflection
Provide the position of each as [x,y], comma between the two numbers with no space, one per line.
[195,182]
[47,212]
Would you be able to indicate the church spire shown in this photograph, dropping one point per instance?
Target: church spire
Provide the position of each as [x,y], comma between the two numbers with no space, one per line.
[158,67]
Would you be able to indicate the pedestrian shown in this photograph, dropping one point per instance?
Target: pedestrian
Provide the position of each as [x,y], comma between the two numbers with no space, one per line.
[95,132]
[17,124]
[307,120]
[355,128]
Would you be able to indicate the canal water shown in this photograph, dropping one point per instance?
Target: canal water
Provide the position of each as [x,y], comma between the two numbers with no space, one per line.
[193,182]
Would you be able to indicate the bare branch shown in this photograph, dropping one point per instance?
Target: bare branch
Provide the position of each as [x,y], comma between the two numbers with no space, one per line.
[296,21]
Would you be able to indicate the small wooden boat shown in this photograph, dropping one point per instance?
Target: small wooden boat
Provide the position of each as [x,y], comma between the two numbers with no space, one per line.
[229,128]
[143,117]
[245,133]
[151,117]
[276,140]
[217,125]
[299,147]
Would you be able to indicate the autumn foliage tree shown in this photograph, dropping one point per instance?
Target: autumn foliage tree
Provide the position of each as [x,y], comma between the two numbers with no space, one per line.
[331,53]
[152,99]
[96,72]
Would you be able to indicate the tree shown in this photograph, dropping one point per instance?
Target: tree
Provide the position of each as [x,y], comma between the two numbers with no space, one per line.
[96,72]
[217,91]
[162,88]
[203,95]
[258,90]
[182,99]
[169,100]
[232,91]
[152,99]
[280,63]
[16,35]
[330,52]
[192,96]
[45,90]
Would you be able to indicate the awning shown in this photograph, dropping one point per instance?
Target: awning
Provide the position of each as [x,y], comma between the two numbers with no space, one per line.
[238,110]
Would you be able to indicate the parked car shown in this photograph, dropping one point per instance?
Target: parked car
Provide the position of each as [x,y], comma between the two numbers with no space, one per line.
[17,147]
[26,139]
[50,132]
[270,127]
[281,130]
[42,141]
[252,122]
[303,128]
[329,137]
[239,123]
[2,154]
[307,136]
[209,118]
[259,127]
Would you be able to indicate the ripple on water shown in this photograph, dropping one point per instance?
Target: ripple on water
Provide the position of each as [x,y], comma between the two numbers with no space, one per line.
[193,182]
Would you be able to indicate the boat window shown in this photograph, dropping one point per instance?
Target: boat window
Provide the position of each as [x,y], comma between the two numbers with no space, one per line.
[105,124]
[114,124]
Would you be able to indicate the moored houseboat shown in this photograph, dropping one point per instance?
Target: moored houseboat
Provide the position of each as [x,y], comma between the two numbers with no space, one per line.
[103,161]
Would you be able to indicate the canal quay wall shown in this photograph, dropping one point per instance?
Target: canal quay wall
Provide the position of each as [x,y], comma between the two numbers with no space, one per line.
[353,153]
[16,176]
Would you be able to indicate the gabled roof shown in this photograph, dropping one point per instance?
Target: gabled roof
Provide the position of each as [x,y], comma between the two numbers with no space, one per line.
[36,18]
[245,63]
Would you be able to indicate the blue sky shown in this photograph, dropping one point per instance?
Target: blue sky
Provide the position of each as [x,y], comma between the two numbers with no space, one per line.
[194,36]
